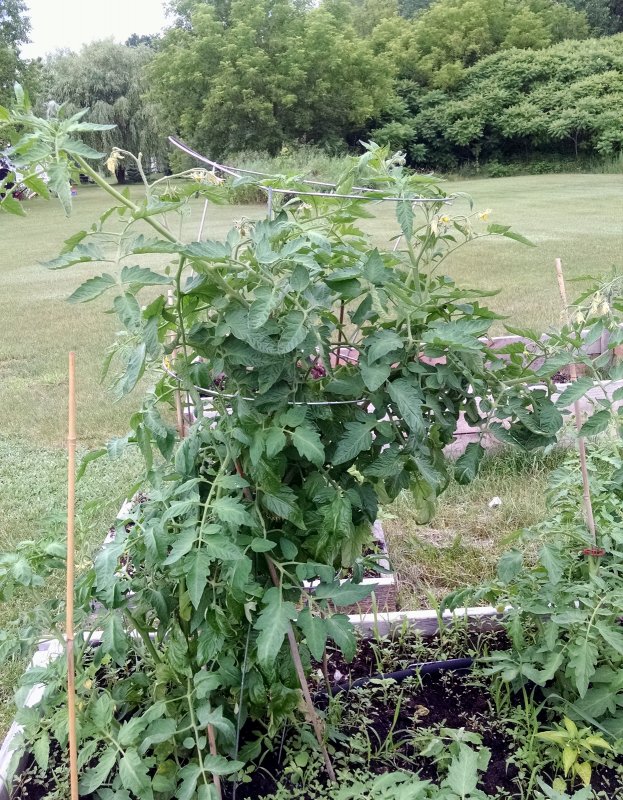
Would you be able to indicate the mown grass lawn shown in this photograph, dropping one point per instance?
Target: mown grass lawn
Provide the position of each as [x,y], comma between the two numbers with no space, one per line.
[576,217]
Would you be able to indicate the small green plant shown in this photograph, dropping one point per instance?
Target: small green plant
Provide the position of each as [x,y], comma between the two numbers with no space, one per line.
[576,749]
[445,745]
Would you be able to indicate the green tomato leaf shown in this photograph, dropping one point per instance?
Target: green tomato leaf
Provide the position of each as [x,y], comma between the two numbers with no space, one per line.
[134,369]
[596,423]
[340,629]
[611,634]
[283,503]
[209,716]
[382,343]
[197,567]
[218,765]
[405,216]
[551,558]
[315,631]
[574,392]
[232,512]
[138,277]
[114,638]
[510,565]
[41,750]
[128,311]
[467,464]
[12,206]
[505,230]
[356,439]
[375,375]
[343,594]
[307,441]
[92,288]
[409,404]
[374,270]
[583,655]
[134,774]
[59,182]
[273,624]
[275,441]
[93,778]
[130,731]
[78,148]
[262,545]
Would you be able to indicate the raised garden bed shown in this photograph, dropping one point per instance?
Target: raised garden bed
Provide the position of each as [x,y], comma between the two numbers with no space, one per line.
[409,705]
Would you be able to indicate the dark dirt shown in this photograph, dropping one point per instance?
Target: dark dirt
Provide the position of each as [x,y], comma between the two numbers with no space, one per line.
[400,653]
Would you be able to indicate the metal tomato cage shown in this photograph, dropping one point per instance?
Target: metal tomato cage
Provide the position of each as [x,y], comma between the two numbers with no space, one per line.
[371,195]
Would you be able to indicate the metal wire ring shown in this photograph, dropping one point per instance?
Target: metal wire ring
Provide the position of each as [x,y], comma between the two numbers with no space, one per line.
[214,393]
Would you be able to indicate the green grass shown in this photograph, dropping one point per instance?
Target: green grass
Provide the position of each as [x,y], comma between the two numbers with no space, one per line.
[462,544]
[576,217]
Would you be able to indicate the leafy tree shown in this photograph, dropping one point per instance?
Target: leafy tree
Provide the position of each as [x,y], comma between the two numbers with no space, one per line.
[566,98]
[409,8]
[137,39]
[454,34]
[604,16]
[14,30]
[109,78]
[182,11]
[274,72]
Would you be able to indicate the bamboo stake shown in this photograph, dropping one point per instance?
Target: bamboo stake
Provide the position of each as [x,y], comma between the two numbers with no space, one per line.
[213,751]
[69,619]
[300,671]
[588,505]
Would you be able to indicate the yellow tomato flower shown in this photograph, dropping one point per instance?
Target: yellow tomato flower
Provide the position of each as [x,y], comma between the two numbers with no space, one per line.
[484,215]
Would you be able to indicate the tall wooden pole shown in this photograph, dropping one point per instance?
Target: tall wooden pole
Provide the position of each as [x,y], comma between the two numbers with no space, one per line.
[577,410]
[69,603]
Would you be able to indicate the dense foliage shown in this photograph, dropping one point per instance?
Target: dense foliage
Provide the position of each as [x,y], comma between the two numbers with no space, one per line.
[235,75]
[604,16]
[567,98]
[274,73]
[242,75]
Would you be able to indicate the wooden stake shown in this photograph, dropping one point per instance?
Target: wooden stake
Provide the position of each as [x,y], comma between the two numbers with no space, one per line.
[588,505]
[300,671]
[69,600]
[214,752]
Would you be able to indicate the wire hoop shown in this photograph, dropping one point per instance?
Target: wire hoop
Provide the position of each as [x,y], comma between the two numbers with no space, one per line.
[238,172]
[201,390]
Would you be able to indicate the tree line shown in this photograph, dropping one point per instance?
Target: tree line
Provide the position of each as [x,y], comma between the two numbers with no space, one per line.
[447,81]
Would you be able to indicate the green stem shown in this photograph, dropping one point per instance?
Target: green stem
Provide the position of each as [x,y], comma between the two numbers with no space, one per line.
[88,170]
[144,634]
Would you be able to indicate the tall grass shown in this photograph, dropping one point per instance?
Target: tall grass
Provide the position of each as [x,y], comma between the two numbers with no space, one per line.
[310,162]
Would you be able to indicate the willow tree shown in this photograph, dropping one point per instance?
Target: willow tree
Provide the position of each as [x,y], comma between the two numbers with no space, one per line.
[109,79]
